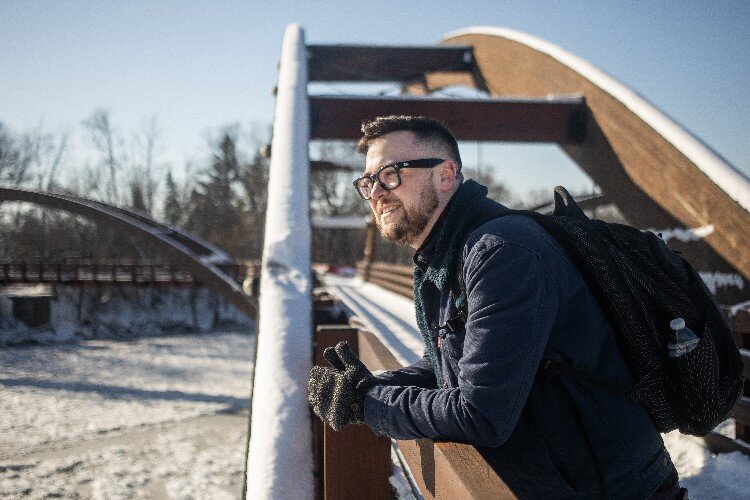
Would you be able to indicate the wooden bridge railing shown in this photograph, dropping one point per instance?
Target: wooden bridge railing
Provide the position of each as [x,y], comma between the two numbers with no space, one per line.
[740,323]
[398,278]
[355,463]
[112,272]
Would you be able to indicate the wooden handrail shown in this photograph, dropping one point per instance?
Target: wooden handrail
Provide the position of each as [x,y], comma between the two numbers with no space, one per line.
[393,268]
[353,462]
[740,323]
[440,469]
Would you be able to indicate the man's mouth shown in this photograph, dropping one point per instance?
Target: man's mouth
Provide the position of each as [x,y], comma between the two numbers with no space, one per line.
[388,210]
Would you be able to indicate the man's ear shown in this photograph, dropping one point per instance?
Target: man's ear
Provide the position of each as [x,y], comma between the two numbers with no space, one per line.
[448,174]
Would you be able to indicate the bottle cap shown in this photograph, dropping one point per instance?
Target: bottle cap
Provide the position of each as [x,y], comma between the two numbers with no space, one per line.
[677,324]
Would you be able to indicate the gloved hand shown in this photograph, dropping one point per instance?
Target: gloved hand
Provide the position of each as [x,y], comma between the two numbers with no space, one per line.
[337,394]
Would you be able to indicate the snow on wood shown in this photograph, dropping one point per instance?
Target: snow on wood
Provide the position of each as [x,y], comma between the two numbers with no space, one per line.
[725,175]
[716,280]
[340,222]
[386,314]
[280,451]
[686,235]
[120,312]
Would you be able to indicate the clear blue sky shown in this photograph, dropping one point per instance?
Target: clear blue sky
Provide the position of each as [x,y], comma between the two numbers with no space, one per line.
[200,65]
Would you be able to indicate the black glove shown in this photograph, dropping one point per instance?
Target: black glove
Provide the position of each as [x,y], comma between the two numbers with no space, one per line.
[337,394]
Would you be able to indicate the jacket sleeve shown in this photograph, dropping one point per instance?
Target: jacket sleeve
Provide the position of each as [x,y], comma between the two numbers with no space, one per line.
[420,374]
[512,303]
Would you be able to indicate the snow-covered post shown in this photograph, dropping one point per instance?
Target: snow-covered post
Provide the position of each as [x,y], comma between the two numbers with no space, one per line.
[280,462]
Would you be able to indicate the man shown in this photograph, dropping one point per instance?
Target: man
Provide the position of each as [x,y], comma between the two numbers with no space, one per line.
[479,380]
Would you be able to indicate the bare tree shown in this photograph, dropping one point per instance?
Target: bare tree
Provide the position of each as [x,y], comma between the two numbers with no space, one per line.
[173,210]
[15,163]
[45,152]
[109,146]
[57,155]
[144,167]
[332,191]
[31,159]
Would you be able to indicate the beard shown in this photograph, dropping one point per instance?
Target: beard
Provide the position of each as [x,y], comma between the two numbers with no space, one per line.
[412,220]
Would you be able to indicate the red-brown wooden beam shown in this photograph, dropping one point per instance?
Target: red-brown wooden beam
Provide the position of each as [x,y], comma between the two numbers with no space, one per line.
[559,120]
[361,63]
[329,166]
[356,463]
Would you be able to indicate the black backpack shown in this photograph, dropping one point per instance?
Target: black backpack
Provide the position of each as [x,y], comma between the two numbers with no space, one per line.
[641,285]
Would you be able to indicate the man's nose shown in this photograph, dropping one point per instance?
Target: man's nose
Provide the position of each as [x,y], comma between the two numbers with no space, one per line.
[377,191]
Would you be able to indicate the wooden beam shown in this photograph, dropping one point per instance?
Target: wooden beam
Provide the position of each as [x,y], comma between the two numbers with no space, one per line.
[329,166]
[741,323]
[370,246]
[741,412]
[722,444]
[560,120]
[356,462]
[362,63]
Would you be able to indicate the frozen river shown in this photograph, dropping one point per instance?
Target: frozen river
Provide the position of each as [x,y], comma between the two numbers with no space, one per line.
[157,417]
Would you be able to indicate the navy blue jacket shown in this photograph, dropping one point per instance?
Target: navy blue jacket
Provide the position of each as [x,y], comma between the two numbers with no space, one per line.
[525,299]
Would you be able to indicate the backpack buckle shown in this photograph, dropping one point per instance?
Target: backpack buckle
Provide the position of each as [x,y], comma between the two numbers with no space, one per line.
[453,323]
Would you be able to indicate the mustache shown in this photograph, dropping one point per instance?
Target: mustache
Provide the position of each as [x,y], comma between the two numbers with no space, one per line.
[387,201]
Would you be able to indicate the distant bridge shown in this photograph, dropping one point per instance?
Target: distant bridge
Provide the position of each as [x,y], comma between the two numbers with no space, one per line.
[202,260]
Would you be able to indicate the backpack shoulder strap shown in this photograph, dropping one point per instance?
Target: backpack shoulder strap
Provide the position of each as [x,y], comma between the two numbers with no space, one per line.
[565,206]
[458,290]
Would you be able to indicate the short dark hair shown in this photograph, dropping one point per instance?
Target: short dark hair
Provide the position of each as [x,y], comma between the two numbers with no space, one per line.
[426,129]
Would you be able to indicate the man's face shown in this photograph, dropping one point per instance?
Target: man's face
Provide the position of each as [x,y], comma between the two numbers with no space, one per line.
[403,214]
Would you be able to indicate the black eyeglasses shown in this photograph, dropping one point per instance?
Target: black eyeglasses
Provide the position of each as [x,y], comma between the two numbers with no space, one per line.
[389,176]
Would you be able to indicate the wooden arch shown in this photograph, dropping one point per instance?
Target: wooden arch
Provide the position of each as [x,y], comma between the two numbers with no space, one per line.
[657,173]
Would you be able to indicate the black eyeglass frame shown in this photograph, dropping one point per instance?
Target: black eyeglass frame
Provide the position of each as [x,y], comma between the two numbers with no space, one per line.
[375,177]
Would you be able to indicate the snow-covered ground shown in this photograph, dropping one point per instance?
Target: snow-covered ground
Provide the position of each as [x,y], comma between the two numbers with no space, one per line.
[391,317]
[155,417]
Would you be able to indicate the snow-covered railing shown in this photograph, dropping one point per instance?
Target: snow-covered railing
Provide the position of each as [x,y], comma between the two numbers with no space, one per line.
[279,463]
[719,443]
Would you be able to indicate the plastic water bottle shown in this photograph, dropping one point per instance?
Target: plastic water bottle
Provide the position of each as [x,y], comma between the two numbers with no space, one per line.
[683,340]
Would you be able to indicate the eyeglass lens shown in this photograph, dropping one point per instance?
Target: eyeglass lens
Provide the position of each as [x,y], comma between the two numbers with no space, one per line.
[387,176]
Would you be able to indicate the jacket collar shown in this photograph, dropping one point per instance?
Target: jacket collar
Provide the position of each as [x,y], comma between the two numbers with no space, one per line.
[437,255]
